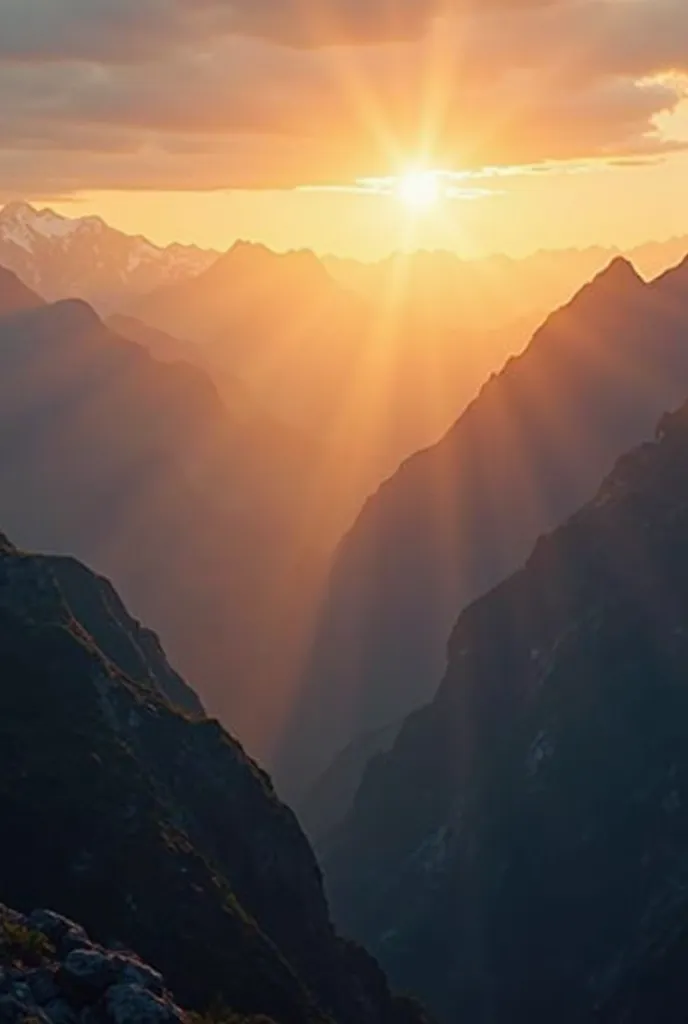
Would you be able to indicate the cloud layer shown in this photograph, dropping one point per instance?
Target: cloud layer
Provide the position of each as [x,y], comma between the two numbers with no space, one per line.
[279,93]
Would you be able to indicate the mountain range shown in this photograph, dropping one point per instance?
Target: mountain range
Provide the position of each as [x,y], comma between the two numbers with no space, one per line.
[459,516]
[520,855]
[62,257]
[494,291]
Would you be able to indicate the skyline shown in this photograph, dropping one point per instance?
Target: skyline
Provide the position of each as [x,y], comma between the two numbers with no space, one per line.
[658,250]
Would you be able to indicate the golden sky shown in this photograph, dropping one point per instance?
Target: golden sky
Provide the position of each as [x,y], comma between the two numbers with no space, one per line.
[553,122]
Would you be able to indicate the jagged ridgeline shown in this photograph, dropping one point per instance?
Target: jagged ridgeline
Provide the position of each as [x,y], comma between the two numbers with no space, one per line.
[149,826]
[521,854]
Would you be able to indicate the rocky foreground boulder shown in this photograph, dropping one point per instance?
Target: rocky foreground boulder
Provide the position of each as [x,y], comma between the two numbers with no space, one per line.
[52,973]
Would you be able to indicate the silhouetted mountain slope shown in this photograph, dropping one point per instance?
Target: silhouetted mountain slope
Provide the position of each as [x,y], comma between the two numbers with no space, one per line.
[93,602]
[15,296]
[457,517]
[163,346]
[328,801]
[155,830]
[84,257]
[138,467]
[236,396]
[521,854]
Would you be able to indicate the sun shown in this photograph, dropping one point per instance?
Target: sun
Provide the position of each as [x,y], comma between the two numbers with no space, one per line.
[419,189]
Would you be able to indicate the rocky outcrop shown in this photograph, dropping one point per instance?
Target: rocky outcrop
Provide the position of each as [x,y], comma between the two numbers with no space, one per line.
[52,973]
[520,855]
[458,517]
[151,828]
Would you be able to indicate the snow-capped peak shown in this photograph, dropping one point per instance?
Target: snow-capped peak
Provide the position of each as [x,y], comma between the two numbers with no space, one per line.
[20,223]
[63,257]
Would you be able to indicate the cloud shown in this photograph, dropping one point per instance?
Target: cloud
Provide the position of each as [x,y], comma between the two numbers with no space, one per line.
[215,94]
[135,29]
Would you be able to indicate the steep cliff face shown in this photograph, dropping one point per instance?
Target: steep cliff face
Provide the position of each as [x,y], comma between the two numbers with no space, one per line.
[521,854]
[153,829]
[458,517]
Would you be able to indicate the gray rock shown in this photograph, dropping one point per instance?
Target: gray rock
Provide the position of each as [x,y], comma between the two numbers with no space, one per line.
[21,991]
[74,939]
[133,1004]
[56,927]
[43,986]
[132,971]
[60,1012]
[12,1010]
[86,973]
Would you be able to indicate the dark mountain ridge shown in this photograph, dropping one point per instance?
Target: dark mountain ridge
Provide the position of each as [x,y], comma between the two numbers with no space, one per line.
[521,853]
[155,830]
[459,516]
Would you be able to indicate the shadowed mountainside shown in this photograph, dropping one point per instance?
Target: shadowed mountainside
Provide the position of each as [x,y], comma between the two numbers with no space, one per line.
[457,517]
[153,829]
[520,855]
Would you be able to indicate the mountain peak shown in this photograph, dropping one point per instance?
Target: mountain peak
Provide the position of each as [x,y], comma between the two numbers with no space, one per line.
[62,256]
[17,210]
[619,273]
[254,257]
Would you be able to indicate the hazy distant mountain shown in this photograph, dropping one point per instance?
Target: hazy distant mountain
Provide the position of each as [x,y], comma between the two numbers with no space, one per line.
[278,321]
[458,517]
[152,829]
[85,258]
[521,854]
[494,291]
[654,258]
[170,349]
[481,294]
[138,467]
[369,383]
[328,801]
